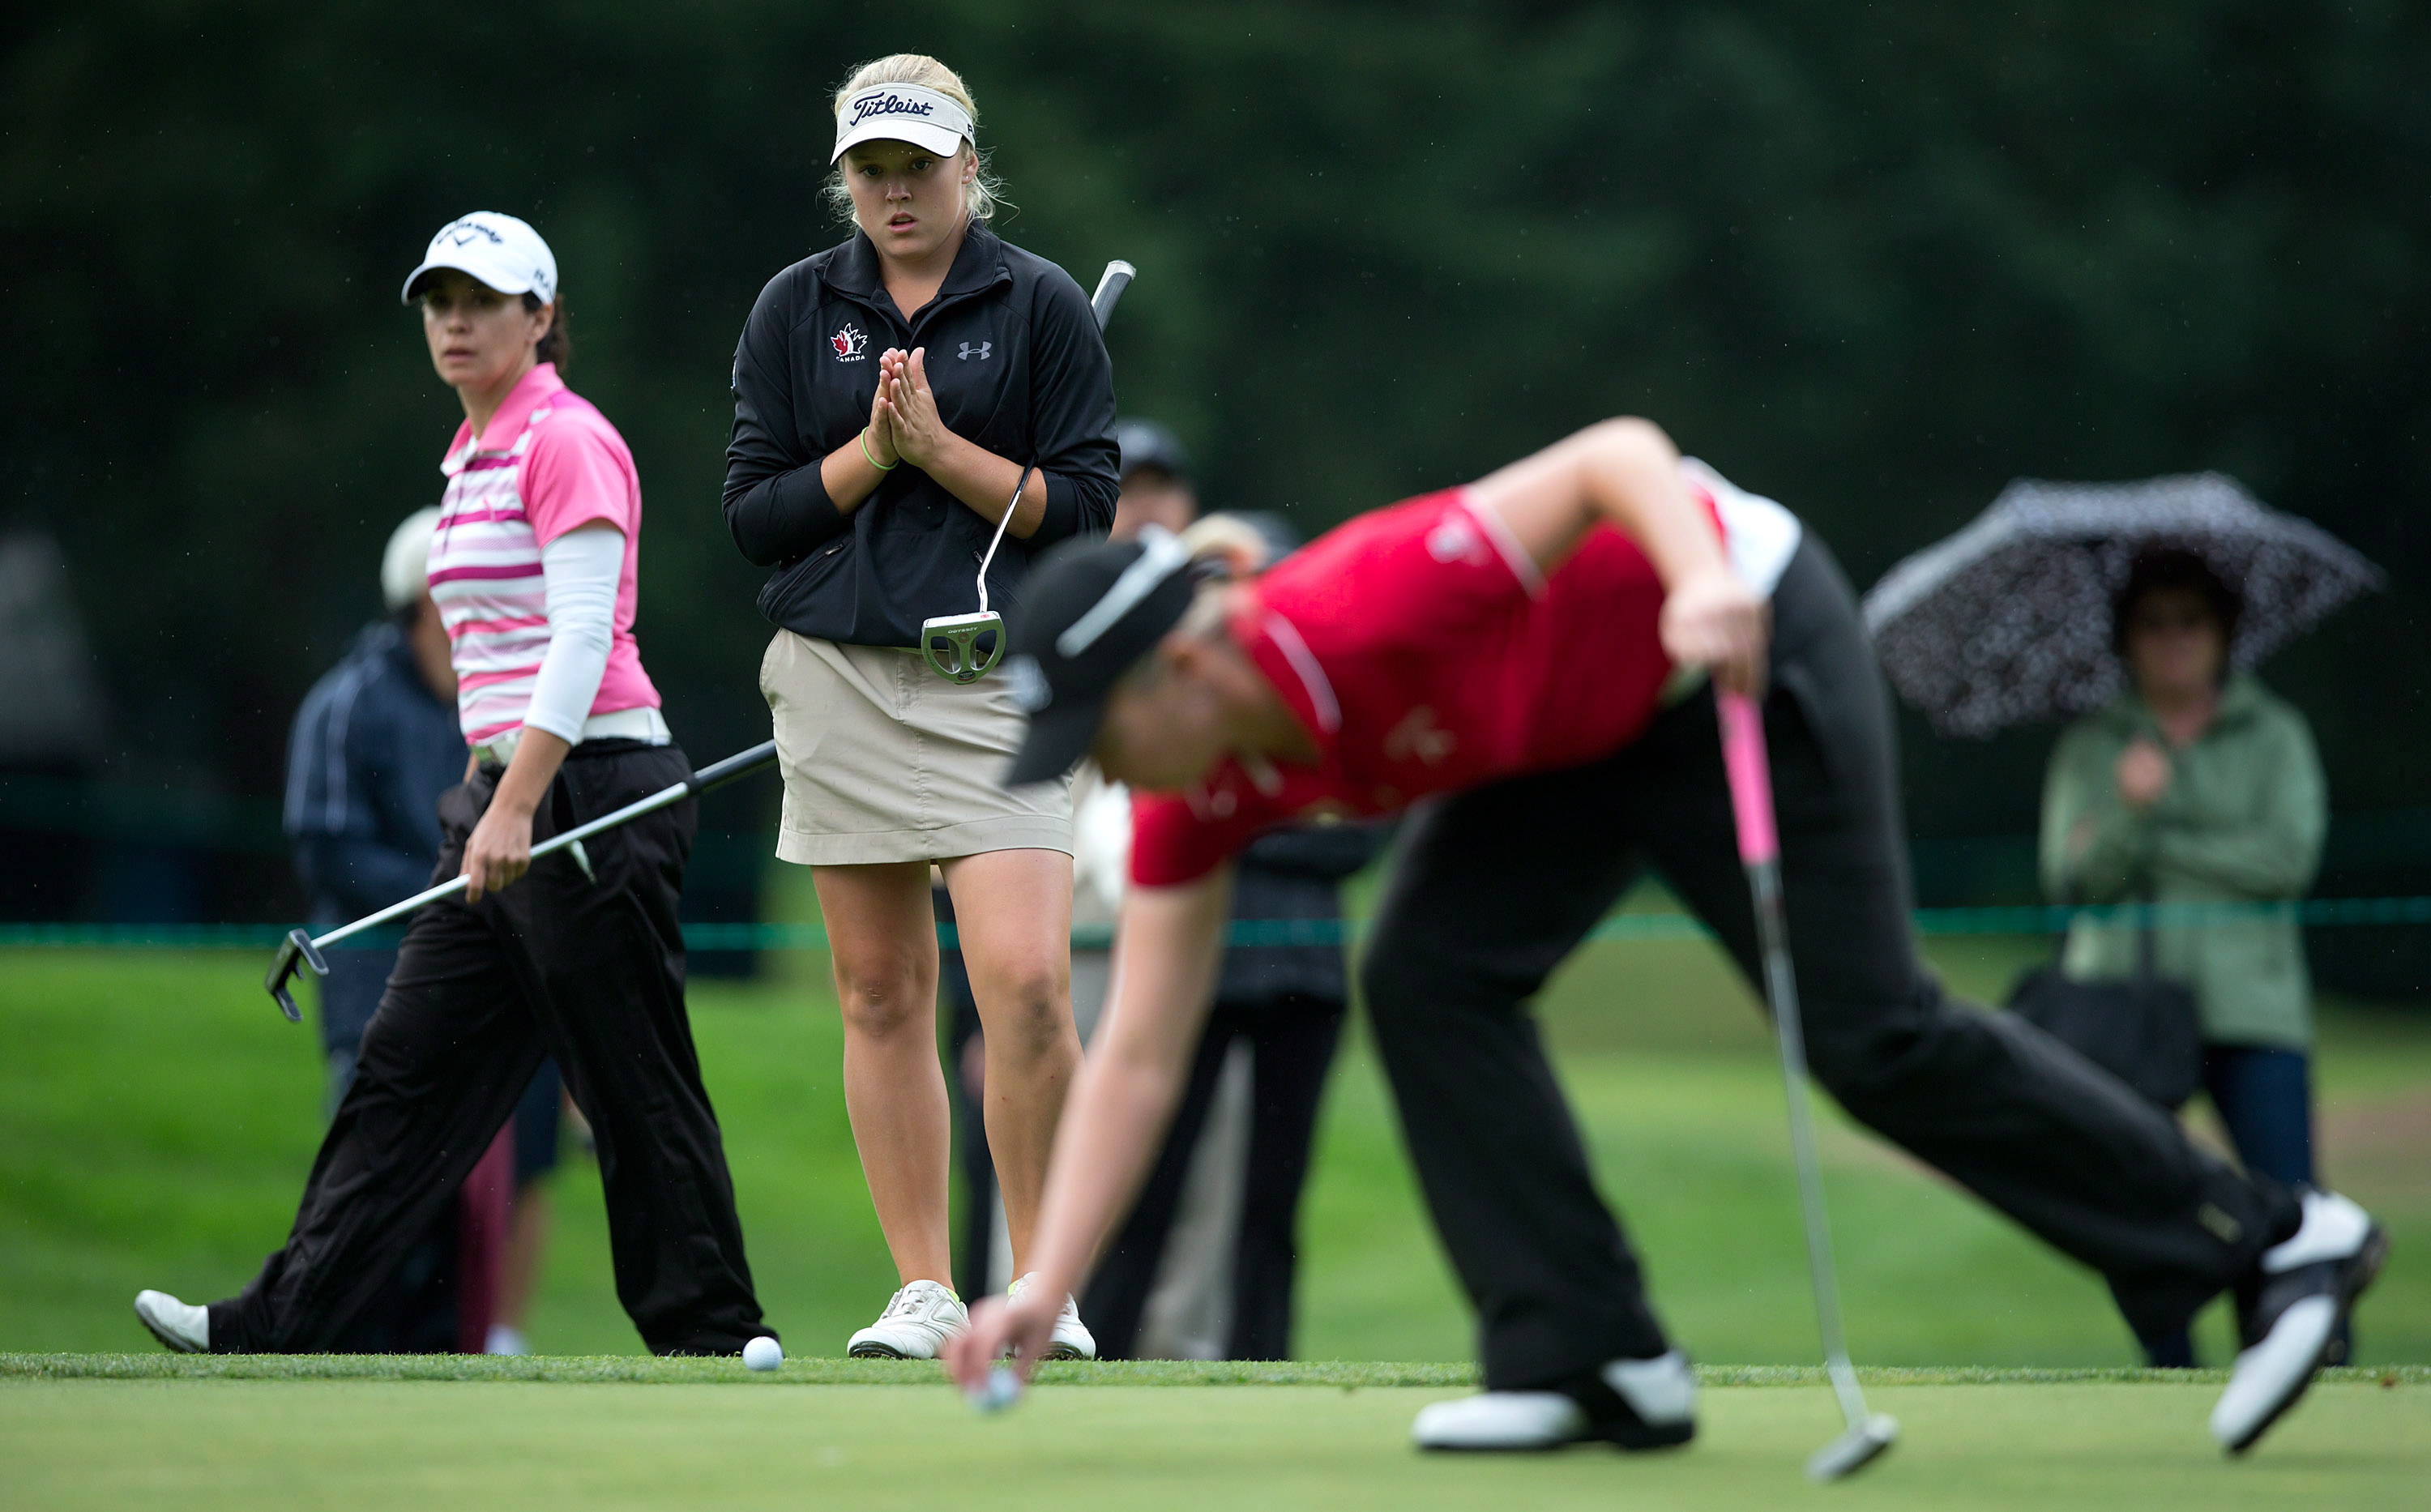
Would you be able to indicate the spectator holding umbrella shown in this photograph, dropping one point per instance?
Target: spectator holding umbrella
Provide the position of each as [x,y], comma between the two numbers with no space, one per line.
[891,394]
[2135,610]
[2196,785]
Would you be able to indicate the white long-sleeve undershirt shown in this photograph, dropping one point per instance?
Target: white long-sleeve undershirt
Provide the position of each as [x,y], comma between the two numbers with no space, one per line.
[580,571]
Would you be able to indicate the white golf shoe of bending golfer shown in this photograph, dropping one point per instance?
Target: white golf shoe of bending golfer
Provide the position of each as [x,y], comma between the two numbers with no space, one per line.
[918,1321]
[181,1326]
[1072,1339]
[2288,1318]
[1640,1404]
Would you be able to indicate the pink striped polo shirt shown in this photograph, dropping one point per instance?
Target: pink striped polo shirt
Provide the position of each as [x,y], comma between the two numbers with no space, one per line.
[548,462]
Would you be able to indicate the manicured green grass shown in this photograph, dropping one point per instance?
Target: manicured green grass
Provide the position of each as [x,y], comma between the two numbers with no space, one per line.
[646,1370]
[2086,1446]
[157,1119]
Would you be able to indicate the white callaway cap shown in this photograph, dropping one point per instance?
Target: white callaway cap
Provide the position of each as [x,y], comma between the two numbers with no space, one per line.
[902,112]
[500,250]
[405,566]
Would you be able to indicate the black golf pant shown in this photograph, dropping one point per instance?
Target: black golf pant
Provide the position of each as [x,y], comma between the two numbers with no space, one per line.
[1291,1041]
[1495,886]
[589,969]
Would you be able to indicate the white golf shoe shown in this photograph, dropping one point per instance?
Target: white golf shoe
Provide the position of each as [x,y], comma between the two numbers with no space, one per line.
[181,1326]
[918,1321]
[1072,1339]
[1635,1403]
[2289,1314]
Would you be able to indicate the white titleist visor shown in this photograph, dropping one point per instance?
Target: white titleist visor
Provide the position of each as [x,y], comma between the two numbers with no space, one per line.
[500,250]
[902,112]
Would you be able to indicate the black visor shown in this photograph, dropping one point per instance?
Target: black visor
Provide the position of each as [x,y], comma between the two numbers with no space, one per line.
[1089,612]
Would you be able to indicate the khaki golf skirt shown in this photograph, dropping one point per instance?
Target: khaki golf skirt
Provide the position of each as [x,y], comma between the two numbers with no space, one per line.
[886,760]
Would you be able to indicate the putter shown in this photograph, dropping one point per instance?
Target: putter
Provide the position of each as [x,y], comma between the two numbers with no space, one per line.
[965,648]
[1750,778]
[304,949]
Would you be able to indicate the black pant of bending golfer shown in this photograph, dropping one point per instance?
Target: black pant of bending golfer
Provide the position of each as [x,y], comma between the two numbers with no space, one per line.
[1497,885]
[589,969]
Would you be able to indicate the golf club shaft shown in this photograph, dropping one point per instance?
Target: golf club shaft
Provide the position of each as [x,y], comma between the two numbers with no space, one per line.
[1781,987]
[1110,284]
[700,781]
[1746,763]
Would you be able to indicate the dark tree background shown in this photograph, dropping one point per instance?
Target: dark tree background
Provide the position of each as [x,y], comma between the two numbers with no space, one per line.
[1875,261]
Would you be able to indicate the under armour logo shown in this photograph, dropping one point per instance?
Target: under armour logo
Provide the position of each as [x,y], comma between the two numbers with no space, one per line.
[967,354]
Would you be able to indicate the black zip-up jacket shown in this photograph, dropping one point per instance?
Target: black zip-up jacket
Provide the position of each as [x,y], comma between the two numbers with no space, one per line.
[1017,366]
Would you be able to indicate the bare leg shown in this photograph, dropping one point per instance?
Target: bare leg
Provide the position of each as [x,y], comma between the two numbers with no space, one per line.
[1014,909]
[883,935]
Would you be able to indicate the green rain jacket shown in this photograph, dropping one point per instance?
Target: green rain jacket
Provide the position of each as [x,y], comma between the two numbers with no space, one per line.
[2240,822]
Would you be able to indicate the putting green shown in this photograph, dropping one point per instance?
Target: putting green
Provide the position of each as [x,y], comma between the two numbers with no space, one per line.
[377,1443]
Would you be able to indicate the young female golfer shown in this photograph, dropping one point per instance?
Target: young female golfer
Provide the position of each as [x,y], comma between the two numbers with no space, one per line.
[890,394]
[533,569]
[1525,649]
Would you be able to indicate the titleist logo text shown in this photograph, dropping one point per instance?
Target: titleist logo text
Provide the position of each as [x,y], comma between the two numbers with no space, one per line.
[889,105]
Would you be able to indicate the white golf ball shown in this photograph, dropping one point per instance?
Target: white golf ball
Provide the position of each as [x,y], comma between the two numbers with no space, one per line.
[1001,1390]
[763,1354]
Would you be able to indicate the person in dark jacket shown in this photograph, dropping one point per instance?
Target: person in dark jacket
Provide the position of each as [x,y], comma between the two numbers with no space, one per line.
[374,745]
[893,395]
[1205,1265]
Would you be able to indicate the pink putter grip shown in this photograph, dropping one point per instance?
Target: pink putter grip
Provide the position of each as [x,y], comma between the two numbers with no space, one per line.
[1750,775]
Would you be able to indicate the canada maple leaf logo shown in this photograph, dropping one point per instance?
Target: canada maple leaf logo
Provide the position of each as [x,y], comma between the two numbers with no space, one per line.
[847,342]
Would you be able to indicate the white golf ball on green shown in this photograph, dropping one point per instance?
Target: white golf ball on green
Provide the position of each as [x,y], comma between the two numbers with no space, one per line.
[763,1354]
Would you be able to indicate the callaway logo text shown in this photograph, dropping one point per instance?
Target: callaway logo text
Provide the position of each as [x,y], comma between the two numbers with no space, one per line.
[463,231]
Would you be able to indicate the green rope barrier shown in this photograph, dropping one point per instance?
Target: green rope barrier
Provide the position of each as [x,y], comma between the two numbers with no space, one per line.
[2319,912]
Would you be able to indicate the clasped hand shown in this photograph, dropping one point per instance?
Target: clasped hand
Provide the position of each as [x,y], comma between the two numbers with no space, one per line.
[2142,774]
[903,421]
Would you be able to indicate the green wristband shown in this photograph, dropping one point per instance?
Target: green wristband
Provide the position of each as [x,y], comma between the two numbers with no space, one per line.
[884,467]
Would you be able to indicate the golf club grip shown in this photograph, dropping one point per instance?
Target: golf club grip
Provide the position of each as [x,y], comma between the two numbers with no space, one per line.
[1110,284]
[1749,770]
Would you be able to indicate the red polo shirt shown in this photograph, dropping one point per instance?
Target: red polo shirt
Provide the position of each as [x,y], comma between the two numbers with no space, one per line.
[1424,651]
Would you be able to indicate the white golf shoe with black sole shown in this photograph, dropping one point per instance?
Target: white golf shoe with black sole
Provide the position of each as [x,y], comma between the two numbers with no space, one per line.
[2291,1317]
[181,1327]
[919,1320]
[1633,1403]
[1072,1339]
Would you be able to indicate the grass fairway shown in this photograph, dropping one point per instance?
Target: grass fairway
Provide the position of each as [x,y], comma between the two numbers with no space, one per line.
[372,1444]
[157,1120]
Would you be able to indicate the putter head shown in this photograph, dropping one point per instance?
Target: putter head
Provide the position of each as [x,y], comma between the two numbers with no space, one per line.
[1854,1450]
[952,644]
[297,947]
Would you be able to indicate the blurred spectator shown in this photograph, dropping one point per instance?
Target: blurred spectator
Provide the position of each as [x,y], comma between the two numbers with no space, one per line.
[2198,786]
[375,744]
[1204,1267]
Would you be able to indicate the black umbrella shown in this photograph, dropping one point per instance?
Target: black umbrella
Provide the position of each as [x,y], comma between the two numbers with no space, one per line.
[2008,621]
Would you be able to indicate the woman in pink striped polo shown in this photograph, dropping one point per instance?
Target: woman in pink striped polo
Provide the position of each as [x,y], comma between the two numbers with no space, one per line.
[579,957]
